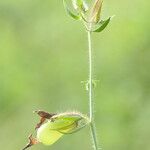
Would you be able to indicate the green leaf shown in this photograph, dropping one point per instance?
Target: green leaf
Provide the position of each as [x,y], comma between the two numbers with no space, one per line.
[77,3]
[68,122]
[79,121]
[74,16]
[63,122]
[80,5]
[102,25]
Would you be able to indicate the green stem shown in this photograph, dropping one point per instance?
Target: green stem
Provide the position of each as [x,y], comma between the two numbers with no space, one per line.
[93,135]
[91,103]
[90,76]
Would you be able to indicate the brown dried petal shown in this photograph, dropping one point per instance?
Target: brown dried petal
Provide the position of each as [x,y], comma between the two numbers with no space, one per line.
[32,141]
[44,114]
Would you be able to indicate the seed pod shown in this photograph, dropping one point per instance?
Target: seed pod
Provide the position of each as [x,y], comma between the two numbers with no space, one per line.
[95,11]
[47,136]
[58,125]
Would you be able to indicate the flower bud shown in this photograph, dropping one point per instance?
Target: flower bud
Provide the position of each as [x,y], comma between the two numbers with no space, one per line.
[95,11]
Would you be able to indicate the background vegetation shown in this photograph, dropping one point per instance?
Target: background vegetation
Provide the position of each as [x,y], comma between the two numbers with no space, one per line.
[43,58]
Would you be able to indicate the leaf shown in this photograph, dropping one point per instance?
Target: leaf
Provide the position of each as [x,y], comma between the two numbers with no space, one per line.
[77,3]
[102,25]
[77,126]
[68,122]
[74,16]
[80,5]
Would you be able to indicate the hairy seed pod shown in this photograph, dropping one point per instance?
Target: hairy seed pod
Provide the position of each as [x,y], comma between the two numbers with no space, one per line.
[47,136]
[58,125]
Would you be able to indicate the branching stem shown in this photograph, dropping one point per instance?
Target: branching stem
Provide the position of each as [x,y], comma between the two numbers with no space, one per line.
[91,103]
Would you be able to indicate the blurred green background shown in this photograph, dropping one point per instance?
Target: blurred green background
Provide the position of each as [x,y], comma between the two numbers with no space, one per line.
[43,59]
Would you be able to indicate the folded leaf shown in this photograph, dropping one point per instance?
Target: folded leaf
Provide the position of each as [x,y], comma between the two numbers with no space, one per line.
[102,25]
[70,120]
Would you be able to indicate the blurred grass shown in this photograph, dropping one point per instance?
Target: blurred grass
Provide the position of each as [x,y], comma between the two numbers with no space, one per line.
[43,58]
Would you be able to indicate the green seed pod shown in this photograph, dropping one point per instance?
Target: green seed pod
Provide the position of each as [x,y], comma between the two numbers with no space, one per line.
[58,125]
[47,136]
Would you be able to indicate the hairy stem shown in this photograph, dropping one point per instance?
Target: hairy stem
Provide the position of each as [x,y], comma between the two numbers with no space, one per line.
[91,103]
[90,76]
